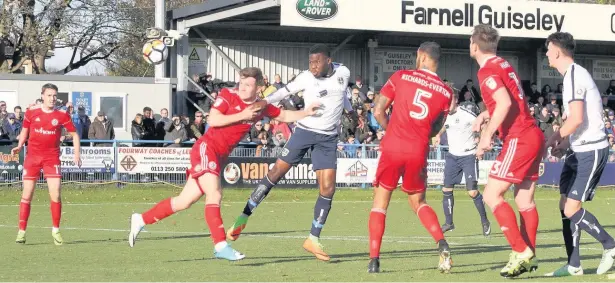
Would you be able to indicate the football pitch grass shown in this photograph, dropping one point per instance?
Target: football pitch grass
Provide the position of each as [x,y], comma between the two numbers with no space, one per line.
[95,229]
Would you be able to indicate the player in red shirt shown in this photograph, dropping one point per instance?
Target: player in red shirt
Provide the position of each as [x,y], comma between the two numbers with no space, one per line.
[523,146]
[422,102]
[231,117]
[42,129]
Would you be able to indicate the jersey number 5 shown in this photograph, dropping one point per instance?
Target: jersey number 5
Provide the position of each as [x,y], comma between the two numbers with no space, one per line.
[419,101]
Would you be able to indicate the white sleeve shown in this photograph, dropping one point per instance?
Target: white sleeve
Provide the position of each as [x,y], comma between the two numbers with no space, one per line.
[293,86]
[577,85]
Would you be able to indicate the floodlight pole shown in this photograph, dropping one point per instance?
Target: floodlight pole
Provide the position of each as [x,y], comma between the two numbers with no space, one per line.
[159,71]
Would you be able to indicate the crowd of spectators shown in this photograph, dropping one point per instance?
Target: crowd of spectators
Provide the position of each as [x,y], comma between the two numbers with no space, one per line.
[357,128]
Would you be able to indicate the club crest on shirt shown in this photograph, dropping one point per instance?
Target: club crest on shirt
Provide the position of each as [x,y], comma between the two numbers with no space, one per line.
[340,80]
[212,165]
[218,102]
[54,122]
[491,83]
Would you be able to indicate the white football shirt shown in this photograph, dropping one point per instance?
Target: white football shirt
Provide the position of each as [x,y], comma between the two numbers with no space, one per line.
[579,86]
[331,92]
[459,132]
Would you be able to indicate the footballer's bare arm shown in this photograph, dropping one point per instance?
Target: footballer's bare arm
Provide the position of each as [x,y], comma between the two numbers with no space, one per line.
[382,104]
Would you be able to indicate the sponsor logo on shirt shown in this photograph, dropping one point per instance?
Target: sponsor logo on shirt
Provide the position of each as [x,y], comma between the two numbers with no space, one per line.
[45,132]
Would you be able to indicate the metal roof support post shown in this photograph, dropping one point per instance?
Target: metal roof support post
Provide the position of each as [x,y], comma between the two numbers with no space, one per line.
[341,45]
[539,69]
[215,48]
[182,48]
[159,70]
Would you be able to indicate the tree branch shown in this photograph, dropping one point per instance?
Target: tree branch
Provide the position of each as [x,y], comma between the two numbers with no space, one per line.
[85,60]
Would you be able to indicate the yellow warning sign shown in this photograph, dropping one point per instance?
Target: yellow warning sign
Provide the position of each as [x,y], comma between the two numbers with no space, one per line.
[194,55]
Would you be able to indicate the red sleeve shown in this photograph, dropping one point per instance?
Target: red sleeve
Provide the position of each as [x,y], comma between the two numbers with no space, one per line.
[26,120]
[222,102]
[388,90]
[68,123]
[489,80]
[272,111]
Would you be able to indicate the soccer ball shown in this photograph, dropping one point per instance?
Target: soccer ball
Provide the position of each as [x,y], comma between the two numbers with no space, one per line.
[155,51]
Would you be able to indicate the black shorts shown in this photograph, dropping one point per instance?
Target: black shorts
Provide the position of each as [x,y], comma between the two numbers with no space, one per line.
[581,173]
[323,148]
[457,166]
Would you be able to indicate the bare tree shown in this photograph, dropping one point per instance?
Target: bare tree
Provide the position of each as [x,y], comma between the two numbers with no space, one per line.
[33,28]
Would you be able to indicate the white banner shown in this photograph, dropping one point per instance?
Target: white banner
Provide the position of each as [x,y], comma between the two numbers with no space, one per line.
[93,160]
[525,19]
[546,72]
[153,159]
[604,70]
[354,170]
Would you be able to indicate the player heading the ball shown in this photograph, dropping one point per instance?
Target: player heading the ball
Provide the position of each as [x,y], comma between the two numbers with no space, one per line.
[231,117]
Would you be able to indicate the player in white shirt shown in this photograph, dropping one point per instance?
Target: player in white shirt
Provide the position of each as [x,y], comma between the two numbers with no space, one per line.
[584,165]
[461,160]
[327,83]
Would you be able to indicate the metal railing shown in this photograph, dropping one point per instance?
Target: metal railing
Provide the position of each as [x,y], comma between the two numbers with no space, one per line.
[361,151]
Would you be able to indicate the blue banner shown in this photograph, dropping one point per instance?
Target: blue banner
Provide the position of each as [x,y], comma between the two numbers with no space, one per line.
[551,171]
[82,98]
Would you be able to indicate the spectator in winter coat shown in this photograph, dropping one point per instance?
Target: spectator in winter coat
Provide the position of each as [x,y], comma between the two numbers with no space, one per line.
[197,127]
[82,124]
[163,124]
[137,130]
[177,133]
[101,129]
[149,124]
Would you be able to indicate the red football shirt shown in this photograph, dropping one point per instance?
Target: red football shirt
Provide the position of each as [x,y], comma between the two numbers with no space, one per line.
[224,139]
[46,130]
[498,73]
[419,98]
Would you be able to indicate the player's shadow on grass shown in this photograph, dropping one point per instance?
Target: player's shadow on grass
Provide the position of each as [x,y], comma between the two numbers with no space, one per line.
[144,237]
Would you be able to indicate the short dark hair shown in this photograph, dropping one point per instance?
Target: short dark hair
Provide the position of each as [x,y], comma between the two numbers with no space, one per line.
[145,109]
[253,72]
[320,49]
[432,50]
[49,86]
[17,107]
[564,41]
[469,81]
[486,37]
[533,84]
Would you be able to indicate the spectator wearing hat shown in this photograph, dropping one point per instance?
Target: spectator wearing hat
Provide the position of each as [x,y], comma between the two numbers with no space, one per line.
[552,103]
[176,133]
[101,129]
[341,153]
[82,125]
[610,116]
[370,97]
[363,88]
[10,129]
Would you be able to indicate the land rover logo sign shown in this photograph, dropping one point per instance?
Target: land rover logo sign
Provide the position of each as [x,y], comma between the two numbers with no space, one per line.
[317,10]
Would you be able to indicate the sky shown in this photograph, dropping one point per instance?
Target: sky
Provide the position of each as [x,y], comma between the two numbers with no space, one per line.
[62,57]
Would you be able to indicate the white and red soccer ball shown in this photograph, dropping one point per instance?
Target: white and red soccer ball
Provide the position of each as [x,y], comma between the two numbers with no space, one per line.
[155,51]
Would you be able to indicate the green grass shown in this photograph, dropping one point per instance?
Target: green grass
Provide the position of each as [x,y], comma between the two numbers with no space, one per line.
[95,227]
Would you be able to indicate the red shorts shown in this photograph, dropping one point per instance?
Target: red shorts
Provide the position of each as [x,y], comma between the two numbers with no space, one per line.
[412,169]
[33,164]
[204,159]
[520,158]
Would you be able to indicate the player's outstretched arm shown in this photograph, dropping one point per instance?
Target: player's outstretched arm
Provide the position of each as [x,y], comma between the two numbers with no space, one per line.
[380,108]
[217,119]
[287,116]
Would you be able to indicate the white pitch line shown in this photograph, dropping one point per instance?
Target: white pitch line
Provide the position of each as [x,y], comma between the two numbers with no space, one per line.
[265,202]
[409,240]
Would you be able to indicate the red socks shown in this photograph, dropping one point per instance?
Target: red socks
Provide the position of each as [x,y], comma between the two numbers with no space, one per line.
[430,220]
[160,211]
[214,221]
[507,219]
[376,230]
[529,226]
[56,213]
[24,214]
